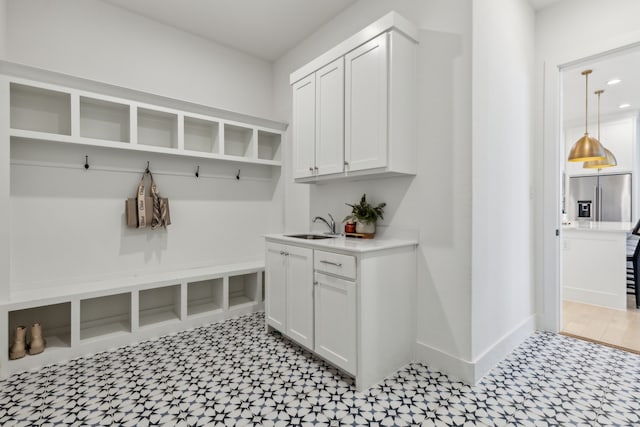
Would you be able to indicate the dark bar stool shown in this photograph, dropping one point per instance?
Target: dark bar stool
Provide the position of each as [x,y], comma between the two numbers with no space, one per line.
[633,258]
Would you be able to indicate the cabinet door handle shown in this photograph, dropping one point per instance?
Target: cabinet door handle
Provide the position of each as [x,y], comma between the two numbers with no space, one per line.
[316,168]
[315,282]
[346,163]
[311,169]
[337,264]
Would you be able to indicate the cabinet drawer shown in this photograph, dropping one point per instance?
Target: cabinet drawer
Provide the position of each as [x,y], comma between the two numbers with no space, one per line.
[338,264]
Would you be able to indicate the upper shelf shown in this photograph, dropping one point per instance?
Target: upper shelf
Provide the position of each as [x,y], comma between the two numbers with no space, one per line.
[46,112]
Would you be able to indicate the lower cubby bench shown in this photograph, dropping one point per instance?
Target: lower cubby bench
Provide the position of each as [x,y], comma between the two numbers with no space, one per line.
[91,317]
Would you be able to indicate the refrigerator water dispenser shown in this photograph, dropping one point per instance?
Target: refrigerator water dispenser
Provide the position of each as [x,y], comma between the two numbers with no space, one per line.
[584,208]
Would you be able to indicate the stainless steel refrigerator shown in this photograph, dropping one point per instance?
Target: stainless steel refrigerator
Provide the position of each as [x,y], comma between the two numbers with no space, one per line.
[600,197]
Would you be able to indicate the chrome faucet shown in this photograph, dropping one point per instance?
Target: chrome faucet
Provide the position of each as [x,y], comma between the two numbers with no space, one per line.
[331,225]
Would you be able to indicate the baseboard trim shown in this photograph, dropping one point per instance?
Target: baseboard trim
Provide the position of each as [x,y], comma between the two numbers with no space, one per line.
[470,372]
[442,361]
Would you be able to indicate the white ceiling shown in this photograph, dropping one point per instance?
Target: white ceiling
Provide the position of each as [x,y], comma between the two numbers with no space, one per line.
[624,65]
[540,4]
[262,28]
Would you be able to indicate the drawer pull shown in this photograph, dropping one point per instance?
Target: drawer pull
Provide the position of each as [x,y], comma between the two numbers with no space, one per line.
[337,264]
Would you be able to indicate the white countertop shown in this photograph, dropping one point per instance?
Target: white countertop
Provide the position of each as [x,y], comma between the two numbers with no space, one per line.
[341,243]
[602,226]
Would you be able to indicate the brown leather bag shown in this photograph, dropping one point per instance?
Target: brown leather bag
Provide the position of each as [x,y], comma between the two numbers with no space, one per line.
[139,210]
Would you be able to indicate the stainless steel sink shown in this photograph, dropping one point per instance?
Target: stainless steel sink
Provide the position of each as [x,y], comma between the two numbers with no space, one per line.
[310,236]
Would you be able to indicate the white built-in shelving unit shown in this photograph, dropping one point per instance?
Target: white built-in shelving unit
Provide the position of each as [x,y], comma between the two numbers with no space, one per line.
[82,318]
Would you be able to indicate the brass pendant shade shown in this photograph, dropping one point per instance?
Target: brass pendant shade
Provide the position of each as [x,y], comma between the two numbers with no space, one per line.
[607,162]
[610,159]
[586,148]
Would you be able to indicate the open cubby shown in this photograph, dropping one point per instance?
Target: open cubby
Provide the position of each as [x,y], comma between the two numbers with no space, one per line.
[104,120]
[237,140]
[201,135]
[106,315]
[41,110]
[159,305]
[269,145]
[205,296]
[157,128]
[55,320]
[243,289]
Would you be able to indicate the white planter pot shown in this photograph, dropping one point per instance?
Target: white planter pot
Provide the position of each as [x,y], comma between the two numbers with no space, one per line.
[362,227]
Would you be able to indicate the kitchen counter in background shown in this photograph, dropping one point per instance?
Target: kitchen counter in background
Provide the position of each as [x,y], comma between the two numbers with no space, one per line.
[343,244]
[594,265]
[607,226]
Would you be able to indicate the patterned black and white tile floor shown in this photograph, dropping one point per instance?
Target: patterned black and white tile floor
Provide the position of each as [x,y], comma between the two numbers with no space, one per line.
[233,374]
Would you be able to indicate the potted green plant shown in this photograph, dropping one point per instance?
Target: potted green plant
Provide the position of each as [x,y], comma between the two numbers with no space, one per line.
[365,215]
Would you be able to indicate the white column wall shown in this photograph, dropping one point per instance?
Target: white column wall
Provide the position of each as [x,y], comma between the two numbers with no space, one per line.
[502,267]
[98,41]
[3,28]
[436,204]
[561,38]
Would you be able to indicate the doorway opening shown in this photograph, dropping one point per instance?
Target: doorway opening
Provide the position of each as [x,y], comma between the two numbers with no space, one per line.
[601,205]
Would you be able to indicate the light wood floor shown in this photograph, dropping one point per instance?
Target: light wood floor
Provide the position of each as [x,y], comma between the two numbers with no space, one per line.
[617,328]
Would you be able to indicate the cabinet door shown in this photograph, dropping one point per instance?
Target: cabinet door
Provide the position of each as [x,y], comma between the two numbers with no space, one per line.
[304,131]
[366,106]
[275,286]
[300,295]
[330,118]
[335,321]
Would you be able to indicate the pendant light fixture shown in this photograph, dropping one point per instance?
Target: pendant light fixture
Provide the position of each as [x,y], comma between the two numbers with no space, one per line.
[610,159]
[586,148]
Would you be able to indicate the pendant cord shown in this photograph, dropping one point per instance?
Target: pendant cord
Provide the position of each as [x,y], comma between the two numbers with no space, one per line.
[586,103]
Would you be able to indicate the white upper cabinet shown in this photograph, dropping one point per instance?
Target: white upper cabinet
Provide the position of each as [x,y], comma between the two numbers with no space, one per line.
[364,109]
[330,118]
[366,106]
[304,113]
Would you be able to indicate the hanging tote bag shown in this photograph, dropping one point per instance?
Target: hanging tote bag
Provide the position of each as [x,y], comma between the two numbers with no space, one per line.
[144,210]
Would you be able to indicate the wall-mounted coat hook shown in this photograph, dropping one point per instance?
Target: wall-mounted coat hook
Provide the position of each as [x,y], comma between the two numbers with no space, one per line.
[198,171]
[238,175]
[147,170]
[86,162]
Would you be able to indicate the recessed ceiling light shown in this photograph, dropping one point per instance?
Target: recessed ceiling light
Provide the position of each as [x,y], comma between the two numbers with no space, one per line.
[624,105]
[614,81]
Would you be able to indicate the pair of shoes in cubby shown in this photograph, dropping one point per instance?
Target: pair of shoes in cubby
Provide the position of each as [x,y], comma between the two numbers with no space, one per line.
[19,347]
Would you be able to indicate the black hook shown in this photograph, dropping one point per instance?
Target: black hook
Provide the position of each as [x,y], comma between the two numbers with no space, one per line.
[198,171]
[238,175]
[147,169]
[86,162]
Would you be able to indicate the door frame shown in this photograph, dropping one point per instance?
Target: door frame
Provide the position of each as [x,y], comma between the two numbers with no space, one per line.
[549,297]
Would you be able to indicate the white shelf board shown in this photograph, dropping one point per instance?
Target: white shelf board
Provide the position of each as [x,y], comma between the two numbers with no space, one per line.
[153,316]
[53,290]
[206,306]
[105,330]
[26,135]
[38,77]
[240,300]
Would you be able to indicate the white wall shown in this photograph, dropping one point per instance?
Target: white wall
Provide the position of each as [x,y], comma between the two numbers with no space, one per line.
[502,289]
[68,224]
[561,38]
[436,204]
[92,39]
[3,28]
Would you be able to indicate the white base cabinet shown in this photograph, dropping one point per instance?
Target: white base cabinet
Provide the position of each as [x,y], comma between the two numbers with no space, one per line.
[289,282]
[335,320]
[351,306]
